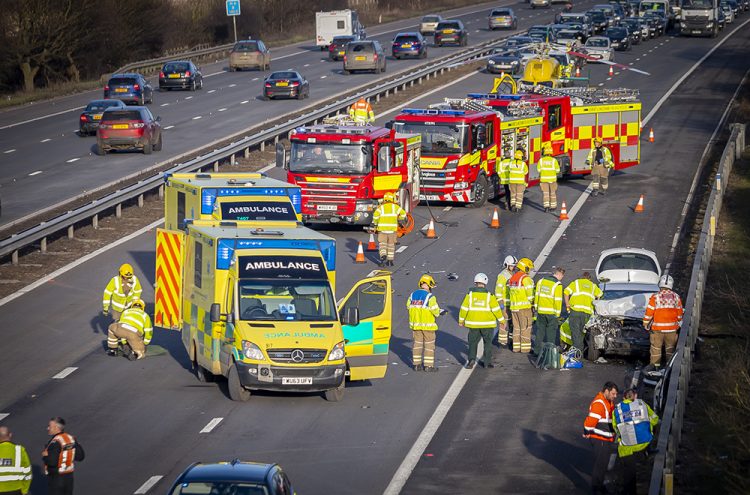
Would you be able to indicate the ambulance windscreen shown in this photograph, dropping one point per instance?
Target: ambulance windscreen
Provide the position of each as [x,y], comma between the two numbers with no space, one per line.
[286,300]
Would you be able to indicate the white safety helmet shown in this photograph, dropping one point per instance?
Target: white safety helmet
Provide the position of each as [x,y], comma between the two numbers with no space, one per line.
[481,278]
[666,281]
[510,260]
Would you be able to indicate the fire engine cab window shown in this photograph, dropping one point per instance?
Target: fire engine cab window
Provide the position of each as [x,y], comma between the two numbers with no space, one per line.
[286,300]
[554,118]
[330,158]
[369,298]
[438,139]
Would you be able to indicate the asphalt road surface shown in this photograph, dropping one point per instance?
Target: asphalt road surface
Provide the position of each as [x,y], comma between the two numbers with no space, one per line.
[510,430]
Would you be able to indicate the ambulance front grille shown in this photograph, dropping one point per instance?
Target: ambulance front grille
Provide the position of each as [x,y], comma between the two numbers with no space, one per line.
[296,356]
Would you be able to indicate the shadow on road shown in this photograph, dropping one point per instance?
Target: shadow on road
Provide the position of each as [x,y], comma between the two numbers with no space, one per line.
[569,459]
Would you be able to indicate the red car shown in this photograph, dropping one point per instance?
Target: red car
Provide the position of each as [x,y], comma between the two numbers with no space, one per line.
[128,128]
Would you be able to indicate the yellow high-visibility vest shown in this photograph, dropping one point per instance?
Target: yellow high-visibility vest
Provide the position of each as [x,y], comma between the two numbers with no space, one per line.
[548,167]
[581,295]
[480,309]
[387,216]
[548,296]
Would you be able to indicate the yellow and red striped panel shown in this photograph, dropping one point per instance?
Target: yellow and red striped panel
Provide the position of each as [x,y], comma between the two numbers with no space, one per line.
[168,300]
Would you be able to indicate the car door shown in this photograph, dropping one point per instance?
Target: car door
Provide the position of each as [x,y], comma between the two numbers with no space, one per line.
[367,343]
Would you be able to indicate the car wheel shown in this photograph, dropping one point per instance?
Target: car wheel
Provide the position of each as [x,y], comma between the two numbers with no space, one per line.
[592,353]
[300,94]
[265,98]
[335,394]
[347,72]
[480,192]
[424,54]
[147,149]
[158,145]
[202,374]
[99,150]
[142,101]
[192,85]
[236,391]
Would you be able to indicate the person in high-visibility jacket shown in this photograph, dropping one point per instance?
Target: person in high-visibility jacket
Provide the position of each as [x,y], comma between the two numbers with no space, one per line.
[504,173]
[517,172]
[386,220]
[548,306]
[480,313]
[548,168]
[579,301]
[423,309]
[59,457]
[15,467]
[122,289]
[521,295]
[598,428]
[633,421]
[361,112]
[135,327]
[600,159]
[663,319]
[503,296]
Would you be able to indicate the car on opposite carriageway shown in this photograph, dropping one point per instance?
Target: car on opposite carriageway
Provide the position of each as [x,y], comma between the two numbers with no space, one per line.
[451,31]
[285,83]
[409,45]
[502,18]
[88,122]
[619,37]
[130,88]
[180,74]
[337,48]
[235,478]
[128,128]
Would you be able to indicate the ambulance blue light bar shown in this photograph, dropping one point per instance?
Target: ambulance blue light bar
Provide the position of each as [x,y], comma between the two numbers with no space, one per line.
[209,195]
[431,111]
[227,247]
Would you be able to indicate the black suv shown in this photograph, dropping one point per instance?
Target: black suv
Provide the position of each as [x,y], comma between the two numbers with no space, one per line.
[130,88]
[452,31]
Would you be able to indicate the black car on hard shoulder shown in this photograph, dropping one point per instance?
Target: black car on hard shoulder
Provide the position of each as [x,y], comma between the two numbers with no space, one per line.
[236,477]
[180,74]
[286,83]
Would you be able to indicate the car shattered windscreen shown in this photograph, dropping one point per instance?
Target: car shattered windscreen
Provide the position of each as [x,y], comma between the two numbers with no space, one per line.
[219,487]
[330,158]
[286,300]
[437,139]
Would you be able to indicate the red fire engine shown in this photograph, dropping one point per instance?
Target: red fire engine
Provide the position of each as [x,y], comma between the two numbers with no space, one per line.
[343,169]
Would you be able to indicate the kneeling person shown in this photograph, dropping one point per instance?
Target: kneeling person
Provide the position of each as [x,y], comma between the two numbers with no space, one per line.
[134,327]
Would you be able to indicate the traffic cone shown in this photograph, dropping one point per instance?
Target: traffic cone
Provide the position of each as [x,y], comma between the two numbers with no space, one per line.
[578,72]
[360,254]
[431,230]
[371,246]
[611,71]
[651,135]
[639,206]
[495,223]
[564,212]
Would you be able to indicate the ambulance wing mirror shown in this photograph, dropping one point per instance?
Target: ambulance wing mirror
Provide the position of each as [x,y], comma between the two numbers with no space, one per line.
[384,159]
[215,313]
[350,316]
[282,159]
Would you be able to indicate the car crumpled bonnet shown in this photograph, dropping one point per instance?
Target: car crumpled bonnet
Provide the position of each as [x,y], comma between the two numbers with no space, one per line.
[625,307]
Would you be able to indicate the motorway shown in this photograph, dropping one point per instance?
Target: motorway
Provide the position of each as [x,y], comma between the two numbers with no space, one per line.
[510,430]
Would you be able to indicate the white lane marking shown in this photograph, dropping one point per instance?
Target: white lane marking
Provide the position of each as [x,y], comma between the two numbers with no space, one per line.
[448,208]
[222,110]
[168,127]
[687,74]
[645,55]
[3,416]
[32,174]
[401,249]
[197,117]
[64,373]
[215,73]
[211,91]
[244,101]
[72,160]
[423,95]
[211,425]
[45,140]
[254,79]
[637,59]
[78,262]
[149,484]
[601,84]
[609,79]
[306,65]
[476,31]
[232,85]
[188,97]
[323,77]
[40,118]
[164,105]
[9,151]
[629,63]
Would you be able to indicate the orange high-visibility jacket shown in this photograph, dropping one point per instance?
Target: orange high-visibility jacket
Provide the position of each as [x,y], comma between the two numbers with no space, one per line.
[598,424]
[664,312]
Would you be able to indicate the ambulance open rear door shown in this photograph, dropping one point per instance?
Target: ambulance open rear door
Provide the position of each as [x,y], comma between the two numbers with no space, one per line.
[170,245]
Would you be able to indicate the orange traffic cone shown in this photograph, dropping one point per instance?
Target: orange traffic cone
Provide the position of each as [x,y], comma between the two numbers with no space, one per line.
[495,223]
[639,206]
[371,246]
[431,230]
[578,72]
[564,212]
[651,135]
[360,254]
[611,71]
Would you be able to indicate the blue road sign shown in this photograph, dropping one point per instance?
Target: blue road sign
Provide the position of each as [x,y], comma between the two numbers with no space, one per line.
[233,7]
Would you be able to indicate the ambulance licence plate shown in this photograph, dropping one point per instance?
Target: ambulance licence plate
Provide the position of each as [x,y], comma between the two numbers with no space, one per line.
[326,207]
[296,380]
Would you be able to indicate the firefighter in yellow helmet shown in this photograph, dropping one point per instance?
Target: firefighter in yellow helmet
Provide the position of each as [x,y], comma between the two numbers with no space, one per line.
[386,220]
[517,172]
[135,327]
[121,290]
[600,159]
[423,309]
[521,295]
[548,168]
[361,112]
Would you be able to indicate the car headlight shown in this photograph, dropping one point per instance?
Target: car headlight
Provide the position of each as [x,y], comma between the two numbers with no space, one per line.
[364,207]
[337,353]
[514,62]
[491,62]
[251,351]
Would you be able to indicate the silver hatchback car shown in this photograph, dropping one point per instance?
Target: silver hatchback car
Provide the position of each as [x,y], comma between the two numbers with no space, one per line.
[364,55]
[502,18]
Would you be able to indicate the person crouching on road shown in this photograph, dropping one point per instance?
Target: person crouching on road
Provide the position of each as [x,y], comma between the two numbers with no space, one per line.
[423,309]
[548,168]
[579,301]
[480,313]
[503,296]
[517,172]
[548,306]
[135,327]
[600,159]
[598,428]
[121,290]
[521,292]
[662,320]
[386,220]
[634,422]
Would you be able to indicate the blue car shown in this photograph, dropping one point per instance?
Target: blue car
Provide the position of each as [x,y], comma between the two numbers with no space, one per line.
[249,478]
[130,89]
[409,45]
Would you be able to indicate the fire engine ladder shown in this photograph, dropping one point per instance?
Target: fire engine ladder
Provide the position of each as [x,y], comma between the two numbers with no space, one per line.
[590,95]
[342,120]
[518,108]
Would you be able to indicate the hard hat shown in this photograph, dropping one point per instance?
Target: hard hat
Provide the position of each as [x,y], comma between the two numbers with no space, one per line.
[138,303]
[518,155]
[126,270]
[427,279]
[666,281]
[525,265]
[481,278]
[509,261]
[598,140]
[547,148]
[389,198]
